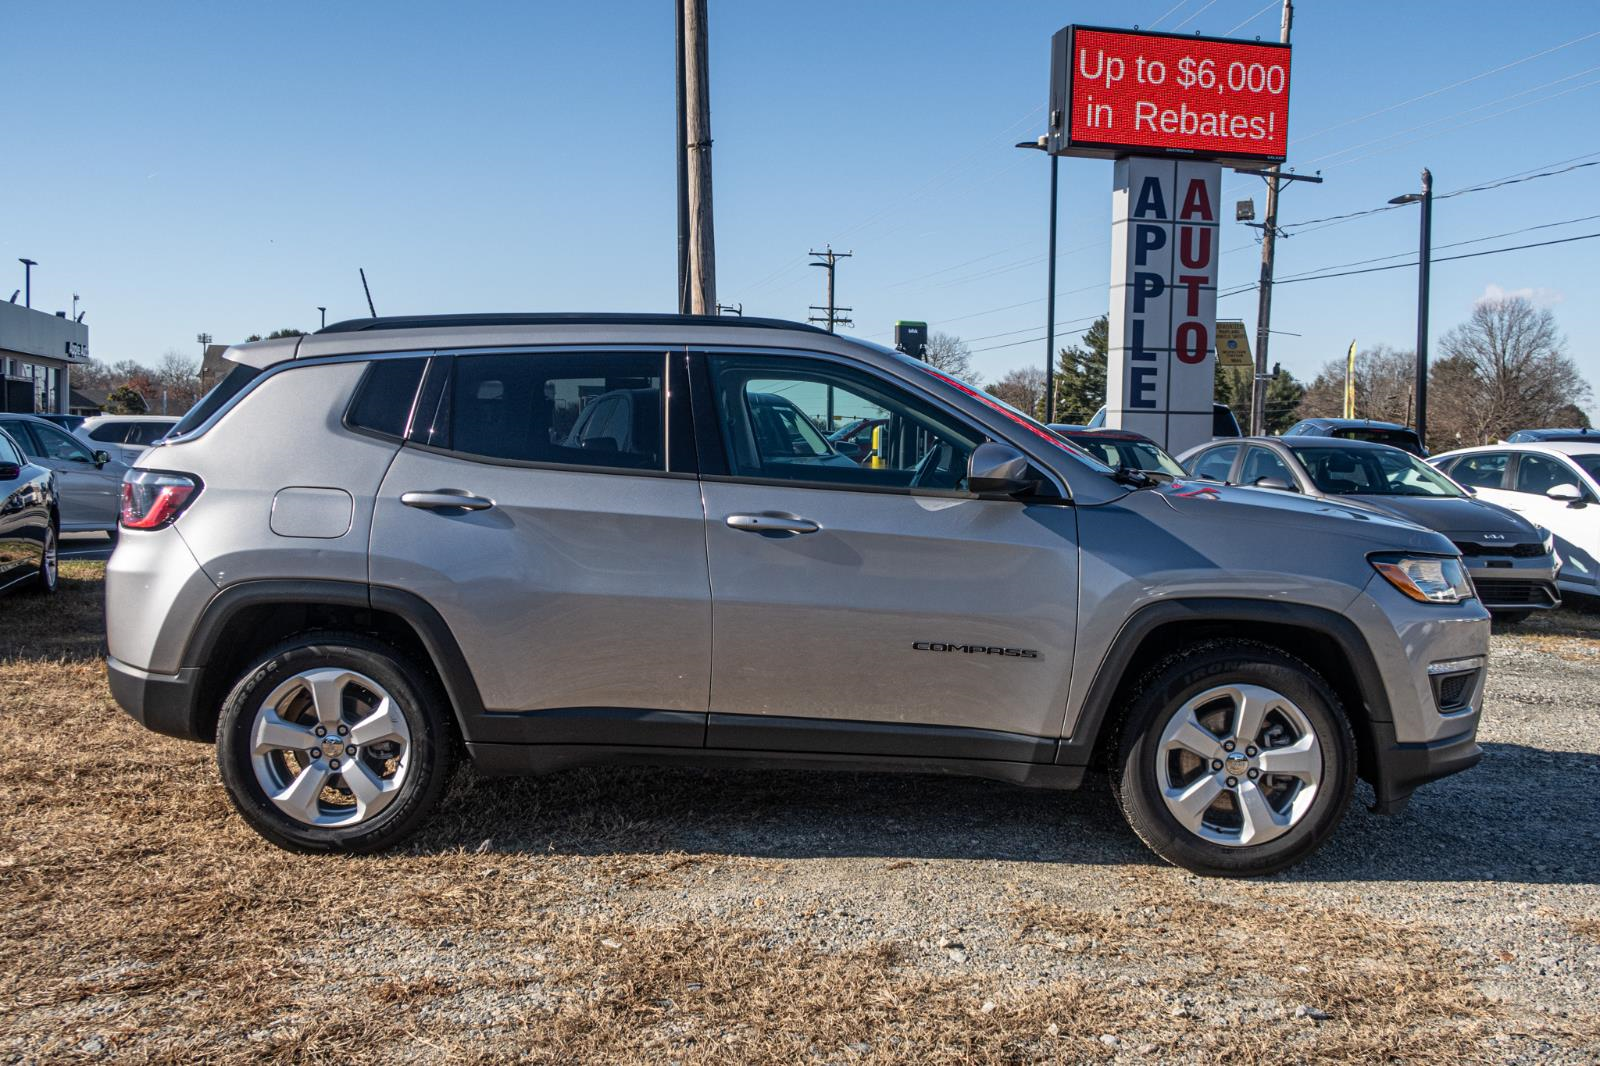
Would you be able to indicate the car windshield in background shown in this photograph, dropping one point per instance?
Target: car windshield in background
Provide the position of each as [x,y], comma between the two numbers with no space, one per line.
[1395,438]
[1371,472]
[1136,455]
[1589,464]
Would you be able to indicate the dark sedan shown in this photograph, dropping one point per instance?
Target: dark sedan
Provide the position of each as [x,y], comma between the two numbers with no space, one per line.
[1512,562]
[29,522]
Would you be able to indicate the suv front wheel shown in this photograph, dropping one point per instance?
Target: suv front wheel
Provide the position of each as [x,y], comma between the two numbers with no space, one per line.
[1236,759]
[332,742]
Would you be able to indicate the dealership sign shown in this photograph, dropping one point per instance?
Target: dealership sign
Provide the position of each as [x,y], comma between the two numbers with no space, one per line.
[1163,324]
[1119,92]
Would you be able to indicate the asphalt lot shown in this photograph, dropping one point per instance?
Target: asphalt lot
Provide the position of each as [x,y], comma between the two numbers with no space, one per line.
[652,915]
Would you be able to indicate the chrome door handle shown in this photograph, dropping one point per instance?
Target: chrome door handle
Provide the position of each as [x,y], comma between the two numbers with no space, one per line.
[771,523]
[445,499]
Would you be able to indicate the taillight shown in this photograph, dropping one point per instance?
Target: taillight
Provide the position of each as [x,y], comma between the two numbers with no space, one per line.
[152,499]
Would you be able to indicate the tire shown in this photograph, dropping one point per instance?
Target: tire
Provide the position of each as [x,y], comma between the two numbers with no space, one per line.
[1510,618]
[1208,685]
[47,576]
[404,756]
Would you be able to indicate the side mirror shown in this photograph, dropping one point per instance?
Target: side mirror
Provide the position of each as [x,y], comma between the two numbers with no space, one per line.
[10,471]
[1273,483]
[101,458]
[1566,493]
[999,468]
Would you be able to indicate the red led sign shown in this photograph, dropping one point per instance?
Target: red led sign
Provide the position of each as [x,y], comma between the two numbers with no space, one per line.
[1121,92]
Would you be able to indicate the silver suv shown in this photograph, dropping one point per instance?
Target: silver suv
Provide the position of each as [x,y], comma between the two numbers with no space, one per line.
[546,541]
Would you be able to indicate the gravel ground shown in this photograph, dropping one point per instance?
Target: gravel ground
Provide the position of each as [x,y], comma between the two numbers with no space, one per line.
[652,915]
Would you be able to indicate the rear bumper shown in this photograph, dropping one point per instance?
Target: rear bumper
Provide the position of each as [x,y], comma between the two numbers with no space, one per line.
[164,703]
[1407,767]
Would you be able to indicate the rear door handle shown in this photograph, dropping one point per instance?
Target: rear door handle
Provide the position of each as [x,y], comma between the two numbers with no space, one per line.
[771,523]
[445,499]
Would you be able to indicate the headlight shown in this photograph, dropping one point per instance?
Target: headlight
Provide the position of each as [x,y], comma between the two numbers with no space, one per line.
[1426,578]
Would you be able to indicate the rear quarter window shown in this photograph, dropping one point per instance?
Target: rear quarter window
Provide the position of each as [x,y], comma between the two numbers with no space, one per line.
[385,397]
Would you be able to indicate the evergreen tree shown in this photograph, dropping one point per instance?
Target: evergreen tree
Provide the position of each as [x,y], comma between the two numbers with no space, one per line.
[1081,376]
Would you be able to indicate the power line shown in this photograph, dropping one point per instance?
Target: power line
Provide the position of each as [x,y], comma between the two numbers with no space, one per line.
[1432,259]
[1452,244]
[1169,14]
[1270,6]
[1193,15]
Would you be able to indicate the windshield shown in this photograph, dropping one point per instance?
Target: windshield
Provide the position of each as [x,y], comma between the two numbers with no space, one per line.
[1137,454]
[1589,464]
[1371,472]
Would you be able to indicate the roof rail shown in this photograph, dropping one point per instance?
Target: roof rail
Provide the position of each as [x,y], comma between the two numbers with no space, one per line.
[561,318]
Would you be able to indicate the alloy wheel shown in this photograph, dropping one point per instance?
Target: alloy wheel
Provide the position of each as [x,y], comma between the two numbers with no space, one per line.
[1239,765]
[330,747]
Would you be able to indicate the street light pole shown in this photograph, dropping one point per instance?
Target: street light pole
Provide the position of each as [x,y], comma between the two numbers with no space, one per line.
[1424,262]
[27,280]
[324,312]
[1050,281]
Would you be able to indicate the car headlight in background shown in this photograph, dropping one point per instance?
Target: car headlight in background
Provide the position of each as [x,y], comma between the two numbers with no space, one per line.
[1426,578]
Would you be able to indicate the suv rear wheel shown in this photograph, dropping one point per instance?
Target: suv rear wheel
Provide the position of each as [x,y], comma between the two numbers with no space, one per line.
[332,742]
[1236,759]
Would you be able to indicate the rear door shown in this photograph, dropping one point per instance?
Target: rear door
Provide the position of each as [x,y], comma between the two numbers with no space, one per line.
[569,564]
[873,607]
[1577,529]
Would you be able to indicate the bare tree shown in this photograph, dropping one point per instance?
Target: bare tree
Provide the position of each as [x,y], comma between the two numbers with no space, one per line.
[949,353]
[1022,388]
[1385,380]
[1521,373]
[177,380]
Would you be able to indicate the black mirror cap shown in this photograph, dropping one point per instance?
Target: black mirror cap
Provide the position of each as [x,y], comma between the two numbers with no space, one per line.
[101,458]
[995,468]
[10,471]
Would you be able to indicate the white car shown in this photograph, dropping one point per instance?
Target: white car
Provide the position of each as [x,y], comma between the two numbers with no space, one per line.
[125,436]
[1555,485]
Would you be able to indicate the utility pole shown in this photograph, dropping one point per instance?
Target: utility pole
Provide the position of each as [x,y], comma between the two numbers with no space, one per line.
[1269,241]
[1422,306]
[202,339]
[27,280]
[683,165]
[731,309]
[829,261]
[324,312]
[702,255]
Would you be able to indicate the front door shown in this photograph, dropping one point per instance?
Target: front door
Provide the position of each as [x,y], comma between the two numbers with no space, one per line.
[90,492]
[535,509]
[870,604]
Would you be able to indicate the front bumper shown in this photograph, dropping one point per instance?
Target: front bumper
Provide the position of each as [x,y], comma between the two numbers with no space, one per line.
[1515,584]
[164,703]
[1407,767]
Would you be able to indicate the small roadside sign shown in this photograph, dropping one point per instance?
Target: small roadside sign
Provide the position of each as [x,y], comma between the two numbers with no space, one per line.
[1233,346]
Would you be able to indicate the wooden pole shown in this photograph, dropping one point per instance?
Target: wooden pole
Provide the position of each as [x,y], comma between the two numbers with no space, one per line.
[697,105]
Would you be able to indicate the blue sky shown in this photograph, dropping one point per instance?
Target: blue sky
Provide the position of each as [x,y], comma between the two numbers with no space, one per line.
[226,168]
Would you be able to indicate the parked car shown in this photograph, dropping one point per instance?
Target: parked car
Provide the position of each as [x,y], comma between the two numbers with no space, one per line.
[360,560]
[1391,433]
[854,439]
[1121,449]
[1512,561]
[1223,424]
[125,436]
[70,423]
[1555,484]
[1549,436]
[29,521]
[88,483]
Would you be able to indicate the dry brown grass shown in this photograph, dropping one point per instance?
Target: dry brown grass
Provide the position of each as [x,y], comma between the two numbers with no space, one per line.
[140,918]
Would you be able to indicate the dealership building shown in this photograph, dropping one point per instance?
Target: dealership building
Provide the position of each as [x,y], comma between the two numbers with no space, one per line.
[37,353]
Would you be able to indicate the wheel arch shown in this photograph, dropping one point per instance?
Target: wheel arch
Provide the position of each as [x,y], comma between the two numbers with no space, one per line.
[246,619]
[1327,641]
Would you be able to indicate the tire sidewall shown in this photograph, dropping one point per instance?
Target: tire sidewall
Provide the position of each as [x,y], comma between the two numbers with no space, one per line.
[1188,676]
[420,703]
[47,579]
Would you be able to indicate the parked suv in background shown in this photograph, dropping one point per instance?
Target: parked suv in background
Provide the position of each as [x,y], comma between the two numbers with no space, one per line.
[380,544]
[1391,433]
[125,436]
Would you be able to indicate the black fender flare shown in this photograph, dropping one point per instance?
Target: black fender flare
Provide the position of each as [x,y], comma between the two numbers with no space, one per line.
[1079,748]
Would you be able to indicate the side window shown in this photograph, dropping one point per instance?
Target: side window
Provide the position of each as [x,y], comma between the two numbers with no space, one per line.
[776,414]
[1215,464]
[8,453]
[1538,474]
[576,409]
[1486,470]
[384,398]
[148,432]
[55,444]
[1263,462]
[110,432]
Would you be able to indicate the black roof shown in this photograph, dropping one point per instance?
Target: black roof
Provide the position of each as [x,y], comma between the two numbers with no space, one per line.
[562,318]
